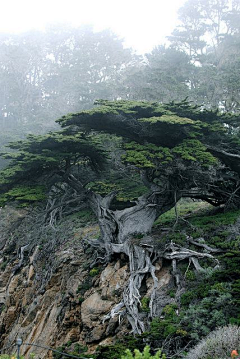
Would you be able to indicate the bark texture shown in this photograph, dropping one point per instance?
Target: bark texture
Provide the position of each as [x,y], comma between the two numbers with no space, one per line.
[122,231]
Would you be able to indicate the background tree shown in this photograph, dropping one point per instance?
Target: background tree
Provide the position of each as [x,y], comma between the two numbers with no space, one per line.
[209,33]
[202,23]
[165,75]
[45,75]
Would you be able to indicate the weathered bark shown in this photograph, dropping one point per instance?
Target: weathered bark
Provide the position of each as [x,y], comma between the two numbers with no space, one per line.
[199,242]
[118,229]
[120,232]
[140,264]
[174,251]
[21,252]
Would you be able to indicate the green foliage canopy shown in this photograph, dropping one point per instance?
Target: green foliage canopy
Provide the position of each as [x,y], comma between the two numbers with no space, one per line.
[169,143]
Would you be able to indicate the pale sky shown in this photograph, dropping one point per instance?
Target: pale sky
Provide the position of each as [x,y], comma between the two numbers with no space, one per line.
[142,23]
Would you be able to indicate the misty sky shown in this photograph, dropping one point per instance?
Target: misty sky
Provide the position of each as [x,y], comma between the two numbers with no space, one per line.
[142,23]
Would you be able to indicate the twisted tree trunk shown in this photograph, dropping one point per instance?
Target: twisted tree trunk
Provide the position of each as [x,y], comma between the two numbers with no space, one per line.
[119,232]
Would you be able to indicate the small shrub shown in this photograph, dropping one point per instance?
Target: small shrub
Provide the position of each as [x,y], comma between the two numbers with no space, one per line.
[144,355]
[190,275]
[93,272]
[162,328]
[80,348]
[169,312]
[172,293]
[145,304]
[218,344]
[58,353]
[110,351]
[211,312]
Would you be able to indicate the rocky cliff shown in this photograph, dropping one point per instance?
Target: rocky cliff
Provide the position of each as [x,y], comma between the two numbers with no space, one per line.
[51,294]
[55,292]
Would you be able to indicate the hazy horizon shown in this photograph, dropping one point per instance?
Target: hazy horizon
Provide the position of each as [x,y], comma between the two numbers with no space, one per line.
[142,26]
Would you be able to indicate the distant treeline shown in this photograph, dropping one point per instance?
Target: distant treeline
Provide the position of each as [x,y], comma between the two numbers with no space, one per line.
[44,75]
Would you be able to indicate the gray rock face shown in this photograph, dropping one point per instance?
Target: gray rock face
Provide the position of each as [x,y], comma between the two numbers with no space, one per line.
[53,298]
[92,308]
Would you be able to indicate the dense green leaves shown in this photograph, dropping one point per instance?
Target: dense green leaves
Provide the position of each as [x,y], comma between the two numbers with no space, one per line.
[40,156]
[194,150]
[149,155]
[171,143]
[164,125]
[24,195]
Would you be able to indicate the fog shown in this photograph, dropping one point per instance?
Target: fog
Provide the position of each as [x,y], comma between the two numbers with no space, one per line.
[141,24]
[47,70]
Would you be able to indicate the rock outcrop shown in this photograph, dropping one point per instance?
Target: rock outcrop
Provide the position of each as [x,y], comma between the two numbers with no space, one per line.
[57,298]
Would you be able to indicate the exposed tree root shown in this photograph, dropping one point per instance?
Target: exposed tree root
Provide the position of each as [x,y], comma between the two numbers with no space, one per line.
[120,231]
[175,253]
[18,266]
[199,242]
[141,264]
